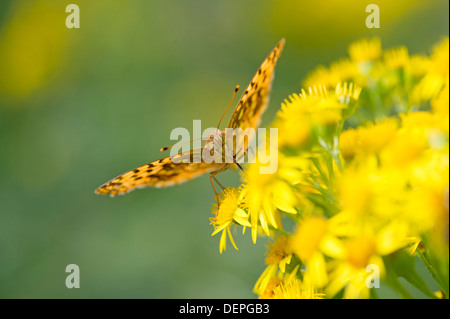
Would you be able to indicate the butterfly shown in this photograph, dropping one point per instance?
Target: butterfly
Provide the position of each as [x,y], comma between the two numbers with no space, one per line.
[173,170]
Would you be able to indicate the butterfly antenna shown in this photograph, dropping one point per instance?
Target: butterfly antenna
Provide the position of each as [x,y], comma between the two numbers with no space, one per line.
[232,98]
[162,149]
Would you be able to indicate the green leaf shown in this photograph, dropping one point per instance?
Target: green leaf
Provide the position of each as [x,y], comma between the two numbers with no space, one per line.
[401,264]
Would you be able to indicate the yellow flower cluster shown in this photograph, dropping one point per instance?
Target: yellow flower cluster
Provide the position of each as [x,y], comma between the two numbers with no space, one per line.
[361,191]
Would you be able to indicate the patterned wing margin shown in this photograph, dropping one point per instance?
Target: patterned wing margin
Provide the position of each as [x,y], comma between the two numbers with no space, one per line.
[255,99]
[167,171]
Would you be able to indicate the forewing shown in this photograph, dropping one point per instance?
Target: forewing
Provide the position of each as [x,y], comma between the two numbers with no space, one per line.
[255,98]
[167,171]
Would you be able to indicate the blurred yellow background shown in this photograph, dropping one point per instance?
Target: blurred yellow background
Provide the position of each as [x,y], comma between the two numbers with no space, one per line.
[80,106]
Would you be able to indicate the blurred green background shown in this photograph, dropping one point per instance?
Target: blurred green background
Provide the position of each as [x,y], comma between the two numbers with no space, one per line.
[80,106]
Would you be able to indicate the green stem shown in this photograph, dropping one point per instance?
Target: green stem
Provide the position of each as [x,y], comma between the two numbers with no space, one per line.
[397,286]
[429,268]
[280,231]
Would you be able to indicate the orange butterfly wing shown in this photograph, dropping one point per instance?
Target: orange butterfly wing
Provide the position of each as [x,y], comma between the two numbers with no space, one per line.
[160,173]
[255,98]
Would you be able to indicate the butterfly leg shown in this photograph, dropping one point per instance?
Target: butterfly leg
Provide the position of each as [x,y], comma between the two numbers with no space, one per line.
[211,177]
[238,165]
[219,183]
[249,149]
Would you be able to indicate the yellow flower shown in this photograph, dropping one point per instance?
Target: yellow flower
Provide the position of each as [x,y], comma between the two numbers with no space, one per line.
[294,128]
[272,282]
[285,286]
[375,137]
[428,88]
[397,234]
[343,70]
[437,75]
[347,92]
[440,58]
[408,144]
[365,240]
[365,50]
[267,281]
[359,251]
[354,188]
[350,273]
[322,107]
[349,143]
[418,65]
[431,124]
[360,190]
[304,112]
[440,106]
[363,252]
[396,58]
[280,253]
[367,140]
[418,120]
[230,213]
[320,76]
[346,70]
[292,288]
[308,237]
[427,208]
[310,241]
[278,256]
[266,195]
[384,235]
